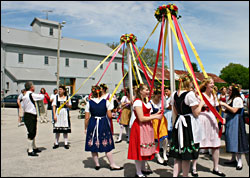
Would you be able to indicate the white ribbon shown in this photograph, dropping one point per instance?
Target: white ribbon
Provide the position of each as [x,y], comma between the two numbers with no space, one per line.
[96,129]
[179,122]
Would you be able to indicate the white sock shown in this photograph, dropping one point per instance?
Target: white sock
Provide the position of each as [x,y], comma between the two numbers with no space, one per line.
[65,135]
[30,145]
[159,158]
[57,138]
[239,160]
[138,165]
[120,135]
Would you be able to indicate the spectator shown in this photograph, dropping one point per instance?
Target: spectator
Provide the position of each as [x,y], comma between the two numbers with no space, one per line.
[52,97]
[20,107]
[44,116]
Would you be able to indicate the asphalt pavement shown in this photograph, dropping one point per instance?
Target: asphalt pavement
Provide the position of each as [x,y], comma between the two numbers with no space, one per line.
[75,162]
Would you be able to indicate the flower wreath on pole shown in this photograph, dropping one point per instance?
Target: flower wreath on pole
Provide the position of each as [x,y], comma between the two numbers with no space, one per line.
[163,10]
[127,38]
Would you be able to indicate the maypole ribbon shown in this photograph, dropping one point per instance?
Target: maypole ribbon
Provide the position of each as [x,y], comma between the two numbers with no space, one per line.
[147,66]
[156,61]
[117,87]
[88,78]
[195,53]
[111,60]
[123,50]
[190,65]
[136,67]
[142,66]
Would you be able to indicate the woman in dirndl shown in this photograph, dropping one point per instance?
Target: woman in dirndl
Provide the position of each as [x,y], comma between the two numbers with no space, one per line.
[125,115]
[141,144]
[61,119]
[98,133]
[163,128]
[235,132]
[186,134]
[210,128]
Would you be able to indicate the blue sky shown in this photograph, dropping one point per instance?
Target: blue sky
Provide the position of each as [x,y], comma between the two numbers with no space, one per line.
[219,30]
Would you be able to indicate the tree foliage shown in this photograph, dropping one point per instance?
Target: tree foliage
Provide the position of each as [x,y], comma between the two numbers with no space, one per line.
[195,67]
[236,73]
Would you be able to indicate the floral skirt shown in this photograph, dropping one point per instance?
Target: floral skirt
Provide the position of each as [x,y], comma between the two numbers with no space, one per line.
[99,137]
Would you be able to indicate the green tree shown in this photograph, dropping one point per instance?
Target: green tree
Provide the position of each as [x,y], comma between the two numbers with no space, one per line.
[236,73]
[195,67]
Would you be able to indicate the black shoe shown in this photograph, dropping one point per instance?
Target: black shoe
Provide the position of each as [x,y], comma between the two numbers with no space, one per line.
[218,173]
[165,163]
[32,154]
[55,146]
[118,141]
[147,172]
[97,167]
[116,169]
[37,150]
[194,173]
[230,162]
[239,168]
[66,147]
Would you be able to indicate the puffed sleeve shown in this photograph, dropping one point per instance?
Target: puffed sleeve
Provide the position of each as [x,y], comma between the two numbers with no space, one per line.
[238,102]
[191,99]
[87,107]
[137,103]
[109,105]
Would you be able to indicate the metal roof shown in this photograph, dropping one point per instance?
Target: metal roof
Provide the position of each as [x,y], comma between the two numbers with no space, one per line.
[31,74]
[32,39]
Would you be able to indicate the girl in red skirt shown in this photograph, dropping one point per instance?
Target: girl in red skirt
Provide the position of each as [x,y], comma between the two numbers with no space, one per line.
[142,145]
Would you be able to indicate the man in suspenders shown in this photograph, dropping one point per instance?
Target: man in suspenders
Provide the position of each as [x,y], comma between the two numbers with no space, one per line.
[30,116]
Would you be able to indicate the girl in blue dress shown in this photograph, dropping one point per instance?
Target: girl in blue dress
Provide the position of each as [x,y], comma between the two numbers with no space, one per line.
[98,132]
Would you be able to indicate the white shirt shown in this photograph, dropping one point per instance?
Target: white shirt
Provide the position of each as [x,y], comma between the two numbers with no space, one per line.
[237,102]
[110,103]
[96,100]
[139,103]
[189,100]
[52,97]
[28,106]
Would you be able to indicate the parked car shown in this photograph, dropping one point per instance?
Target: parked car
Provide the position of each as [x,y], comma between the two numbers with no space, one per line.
[75,100]
[10,101]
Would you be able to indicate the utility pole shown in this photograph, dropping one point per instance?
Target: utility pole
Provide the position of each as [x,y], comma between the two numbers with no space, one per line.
[47,13]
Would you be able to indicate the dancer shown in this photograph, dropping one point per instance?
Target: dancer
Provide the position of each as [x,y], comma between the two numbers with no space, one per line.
[209,127]
[98,133]
[62,120]
[125,115]
[163,134]
[106,96]
[186,134]
[30,116]
[235,132]
[141,144]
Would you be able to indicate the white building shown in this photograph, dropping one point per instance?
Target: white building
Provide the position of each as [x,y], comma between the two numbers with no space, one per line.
[32,56]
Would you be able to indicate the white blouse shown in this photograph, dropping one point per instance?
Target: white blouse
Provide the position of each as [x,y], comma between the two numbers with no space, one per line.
[237,102]
[190,99]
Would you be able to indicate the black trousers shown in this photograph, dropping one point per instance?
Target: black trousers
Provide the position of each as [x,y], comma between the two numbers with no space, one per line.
[30,121]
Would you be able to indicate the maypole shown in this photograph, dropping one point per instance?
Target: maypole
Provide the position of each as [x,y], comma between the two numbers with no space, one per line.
[171,59]
[130,73]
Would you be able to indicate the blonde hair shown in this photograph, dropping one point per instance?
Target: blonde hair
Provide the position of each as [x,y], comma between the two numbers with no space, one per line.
[204,84]
[185,81]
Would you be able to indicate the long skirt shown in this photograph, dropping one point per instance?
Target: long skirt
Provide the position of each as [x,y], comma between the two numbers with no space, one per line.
[235,133]
[99,137]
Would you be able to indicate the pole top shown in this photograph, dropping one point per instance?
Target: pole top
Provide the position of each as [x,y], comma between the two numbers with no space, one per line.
[127,38]
[162,11]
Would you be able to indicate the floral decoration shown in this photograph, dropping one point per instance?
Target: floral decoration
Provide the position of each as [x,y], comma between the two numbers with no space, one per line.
[162,10]
[127,38]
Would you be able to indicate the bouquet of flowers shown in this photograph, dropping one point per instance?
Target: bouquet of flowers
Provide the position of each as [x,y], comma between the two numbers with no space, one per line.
[163,10]
[127,38]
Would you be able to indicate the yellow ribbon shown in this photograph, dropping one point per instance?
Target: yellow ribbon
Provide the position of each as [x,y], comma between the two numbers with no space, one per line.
[195,53]
[117,87]
[136,66]
[88,78]
[134,72]
[181,52]
[147,66]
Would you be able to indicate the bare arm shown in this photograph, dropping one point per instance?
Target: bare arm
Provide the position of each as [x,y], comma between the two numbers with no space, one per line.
[109,114]
[231,109]
[143,118]
[54,112]
[197,109]
[86,122]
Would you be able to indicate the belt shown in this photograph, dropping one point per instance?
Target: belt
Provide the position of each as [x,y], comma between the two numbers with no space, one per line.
[96,128]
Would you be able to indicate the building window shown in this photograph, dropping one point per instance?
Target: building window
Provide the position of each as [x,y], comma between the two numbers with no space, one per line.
[67,62]
[7,85]
[46,60]
[101,67]
[51,31]
[85,64]
[115,66]
[20,57]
